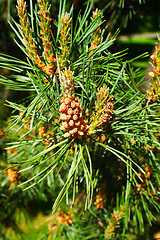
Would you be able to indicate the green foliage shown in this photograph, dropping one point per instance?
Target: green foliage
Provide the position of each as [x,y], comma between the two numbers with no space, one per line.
[84,124]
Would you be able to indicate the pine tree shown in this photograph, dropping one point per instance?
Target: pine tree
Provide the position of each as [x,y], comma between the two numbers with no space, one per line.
[85,130]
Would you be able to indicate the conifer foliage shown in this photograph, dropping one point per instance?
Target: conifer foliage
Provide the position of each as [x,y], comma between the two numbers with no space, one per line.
[84,127]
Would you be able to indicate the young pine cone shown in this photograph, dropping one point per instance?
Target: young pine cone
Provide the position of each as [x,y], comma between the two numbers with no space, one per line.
[71,116]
